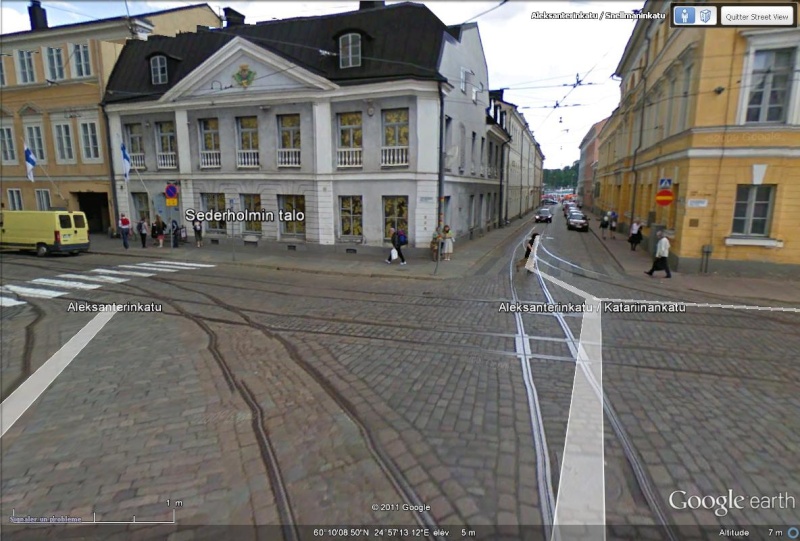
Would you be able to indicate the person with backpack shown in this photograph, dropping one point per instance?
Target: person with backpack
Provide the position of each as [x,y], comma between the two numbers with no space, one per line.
[159,229]
[141,228]
[398,239]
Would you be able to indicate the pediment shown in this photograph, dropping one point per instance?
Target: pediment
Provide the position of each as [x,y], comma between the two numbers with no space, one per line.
[30,110]
[6,113]
[242,68]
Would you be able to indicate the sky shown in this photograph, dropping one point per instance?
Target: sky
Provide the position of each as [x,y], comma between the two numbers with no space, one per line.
[538,61]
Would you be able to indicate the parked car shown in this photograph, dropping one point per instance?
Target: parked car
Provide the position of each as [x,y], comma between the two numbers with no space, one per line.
[549,202]
[544,215]
[568,207]
[577,221]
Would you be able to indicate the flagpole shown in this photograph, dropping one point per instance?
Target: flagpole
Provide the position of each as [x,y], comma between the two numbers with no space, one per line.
[149,195]
[58,191]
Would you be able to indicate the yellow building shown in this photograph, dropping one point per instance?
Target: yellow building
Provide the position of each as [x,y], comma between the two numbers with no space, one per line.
[715,113]
[51,83]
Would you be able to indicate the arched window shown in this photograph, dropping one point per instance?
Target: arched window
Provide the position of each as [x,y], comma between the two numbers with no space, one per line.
[350,51]
[158,70]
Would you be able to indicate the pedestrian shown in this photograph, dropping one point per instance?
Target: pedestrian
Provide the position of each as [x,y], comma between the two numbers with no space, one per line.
[635,238]
[159,229]
[197,225]
[124,229]
[448,240]
[528,250]
[604,223]
[612,223]
[141,228]
[397,246]
[661,260]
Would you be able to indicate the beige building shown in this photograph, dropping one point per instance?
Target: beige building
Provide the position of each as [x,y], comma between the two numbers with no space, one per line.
[52,80]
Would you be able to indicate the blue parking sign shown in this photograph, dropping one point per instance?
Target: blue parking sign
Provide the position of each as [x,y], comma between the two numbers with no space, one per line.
[683,15]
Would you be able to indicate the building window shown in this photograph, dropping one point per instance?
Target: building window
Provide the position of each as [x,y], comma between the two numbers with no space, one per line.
[349,153]
[395,214]
[753,210]
[135,139]
[7,148]
[351,216]
[464,80]
[64,147]
[472,155]
[91,142]
[55,64]
[247,142]
[26,72]
[462,161]
[685,97]
[83,67]
[350,51]
[210,155]
[670,101]
[2,73]
[158,70]
[15,199]
[141,205]
[166,148]
[770,86]
[251,202]
[43,199]
[293,203]
[214,202]
[36,142]
[289,141]
[395,137]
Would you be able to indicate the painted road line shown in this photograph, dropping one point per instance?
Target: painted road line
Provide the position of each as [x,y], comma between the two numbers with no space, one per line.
[5,302]
[33,292]
[198,265]
[103,279]
[32,388]
[64,283]
[122,273]
[148,268]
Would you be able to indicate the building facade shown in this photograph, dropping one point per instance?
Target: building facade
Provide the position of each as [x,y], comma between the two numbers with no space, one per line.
[311,115]
[587,165]
[713,115]
[51,81]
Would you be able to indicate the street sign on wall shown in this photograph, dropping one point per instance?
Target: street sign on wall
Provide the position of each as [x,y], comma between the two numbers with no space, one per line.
[172,201]
[664,198]
[171,191]
[665,184]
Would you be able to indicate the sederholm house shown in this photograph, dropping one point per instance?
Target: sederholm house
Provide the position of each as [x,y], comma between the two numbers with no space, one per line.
[337,117]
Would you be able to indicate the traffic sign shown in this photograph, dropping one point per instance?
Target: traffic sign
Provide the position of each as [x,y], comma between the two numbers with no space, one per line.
[665,184]
[171,191]
[172,201]
[664,198]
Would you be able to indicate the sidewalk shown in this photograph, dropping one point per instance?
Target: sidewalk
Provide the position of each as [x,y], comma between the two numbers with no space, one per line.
[635,263]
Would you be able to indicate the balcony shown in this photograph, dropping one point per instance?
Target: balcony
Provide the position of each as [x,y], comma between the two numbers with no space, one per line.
[167,160]
[493,172]
[210,159]
[349,157]
[137,160]
[247,159]
[394,156]
[288,157]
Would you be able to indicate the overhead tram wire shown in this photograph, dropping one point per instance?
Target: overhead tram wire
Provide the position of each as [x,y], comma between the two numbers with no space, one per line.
[478,16]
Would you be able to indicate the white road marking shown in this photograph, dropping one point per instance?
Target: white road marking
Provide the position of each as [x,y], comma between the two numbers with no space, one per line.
[123,273]
[147,267]
[64,283]
[32,388]
[190,265]
[104,279]
[7,303]
[33,292]
[708,305]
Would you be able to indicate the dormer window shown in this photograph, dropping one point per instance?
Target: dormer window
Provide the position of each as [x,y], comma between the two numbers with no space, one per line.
[350,51]
[158,70]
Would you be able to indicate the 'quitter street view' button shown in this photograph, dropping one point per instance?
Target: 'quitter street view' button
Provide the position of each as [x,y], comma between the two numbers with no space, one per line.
[758,15]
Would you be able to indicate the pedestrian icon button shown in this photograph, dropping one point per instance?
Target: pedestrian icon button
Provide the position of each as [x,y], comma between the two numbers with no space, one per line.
[683,15]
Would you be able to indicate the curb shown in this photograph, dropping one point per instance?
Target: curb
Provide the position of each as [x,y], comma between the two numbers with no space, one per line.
[608,250]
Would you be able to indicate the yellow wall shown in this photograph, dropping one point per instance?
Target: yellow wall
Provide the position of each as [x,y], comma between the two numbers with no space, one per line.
[186,20]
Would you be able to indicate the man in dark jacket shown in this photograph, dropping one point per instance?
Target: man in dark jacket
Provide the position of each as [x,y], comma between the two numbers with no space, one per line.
[396,246]
[528,249]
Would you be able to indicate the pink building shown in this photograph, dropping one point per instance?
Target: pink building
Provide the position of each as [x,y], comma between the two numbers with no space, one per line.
[587,165]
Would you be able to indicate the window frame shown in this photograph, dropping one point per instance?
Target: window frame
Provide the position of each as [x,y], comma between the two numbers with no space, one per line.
[395,218]
[292,131]
[39,149]
[40,193]
[251,227]
[221,226]
[159,74]
[87,146]
[350,50]
[351,130]
[294,230]
[2,72]
[8,146]
[24,59]
[749,212]
[70,139]
[397,126]
[81,61]
[202,131]
[15,199]
[50,68]
[171,136]
[241,131]
[350,214]
[130,137]
[769,73]
[775,39]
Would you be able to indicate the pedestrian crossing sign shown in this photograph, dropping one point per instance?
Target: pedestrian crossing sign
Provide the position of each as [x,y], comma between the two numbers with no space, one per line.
[665,184]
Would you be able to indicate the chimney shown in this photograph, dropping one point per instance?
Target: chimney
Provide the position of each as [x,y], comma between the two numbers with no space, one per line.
[38,15]
[233,18]
[370,5]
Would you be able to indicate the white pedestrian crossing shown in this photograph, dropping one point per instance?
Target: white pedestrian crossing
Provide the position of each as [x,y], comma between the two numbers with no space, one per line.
[5,302]
[123,273]
[148,266]
[68,284]
[103,279]
[33,292]
[188,265]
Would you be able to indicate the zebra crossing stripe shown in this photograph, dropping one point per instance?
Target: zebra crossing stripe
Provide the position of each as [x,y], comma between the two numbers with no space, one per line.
[187,265]
[148,268]
[103,279]
[5,302]
[33,292]
[122,273]
[64,283]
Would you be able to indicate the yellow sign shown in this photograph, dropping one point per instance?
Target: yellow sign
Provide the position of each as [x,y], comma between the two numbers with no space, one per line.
[172,201]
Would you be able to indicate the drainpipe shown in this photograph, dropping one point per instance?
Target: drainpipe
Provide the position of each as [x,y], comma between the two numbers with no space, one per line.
[641,129]
[111,167]
[441,175]
[504,177]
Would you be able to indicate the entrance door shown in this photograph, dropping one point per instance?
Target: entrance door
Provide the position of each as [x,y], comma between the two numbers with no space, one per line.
[95,206]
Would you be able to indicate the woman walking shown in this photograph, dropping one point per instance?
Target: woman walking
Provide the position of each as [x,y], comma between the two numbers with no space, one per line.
[141,228]
[159,228]
[448,240]
[528,249]
[635,237]
[197,225]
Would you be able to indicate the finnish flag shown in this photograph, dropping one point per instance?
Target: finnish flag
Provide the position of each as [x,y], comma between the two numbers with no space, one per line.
[30,161]
[126,163]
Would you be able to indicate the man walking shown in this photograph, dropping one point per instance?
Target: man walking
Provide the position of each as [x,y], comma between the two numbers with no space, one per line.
[661,261]
[124,229]
[141,228]
[396,246]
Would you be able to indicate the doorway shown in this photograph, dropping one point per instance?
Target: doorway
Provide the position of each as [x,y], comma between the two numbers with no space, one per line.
[95,206]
